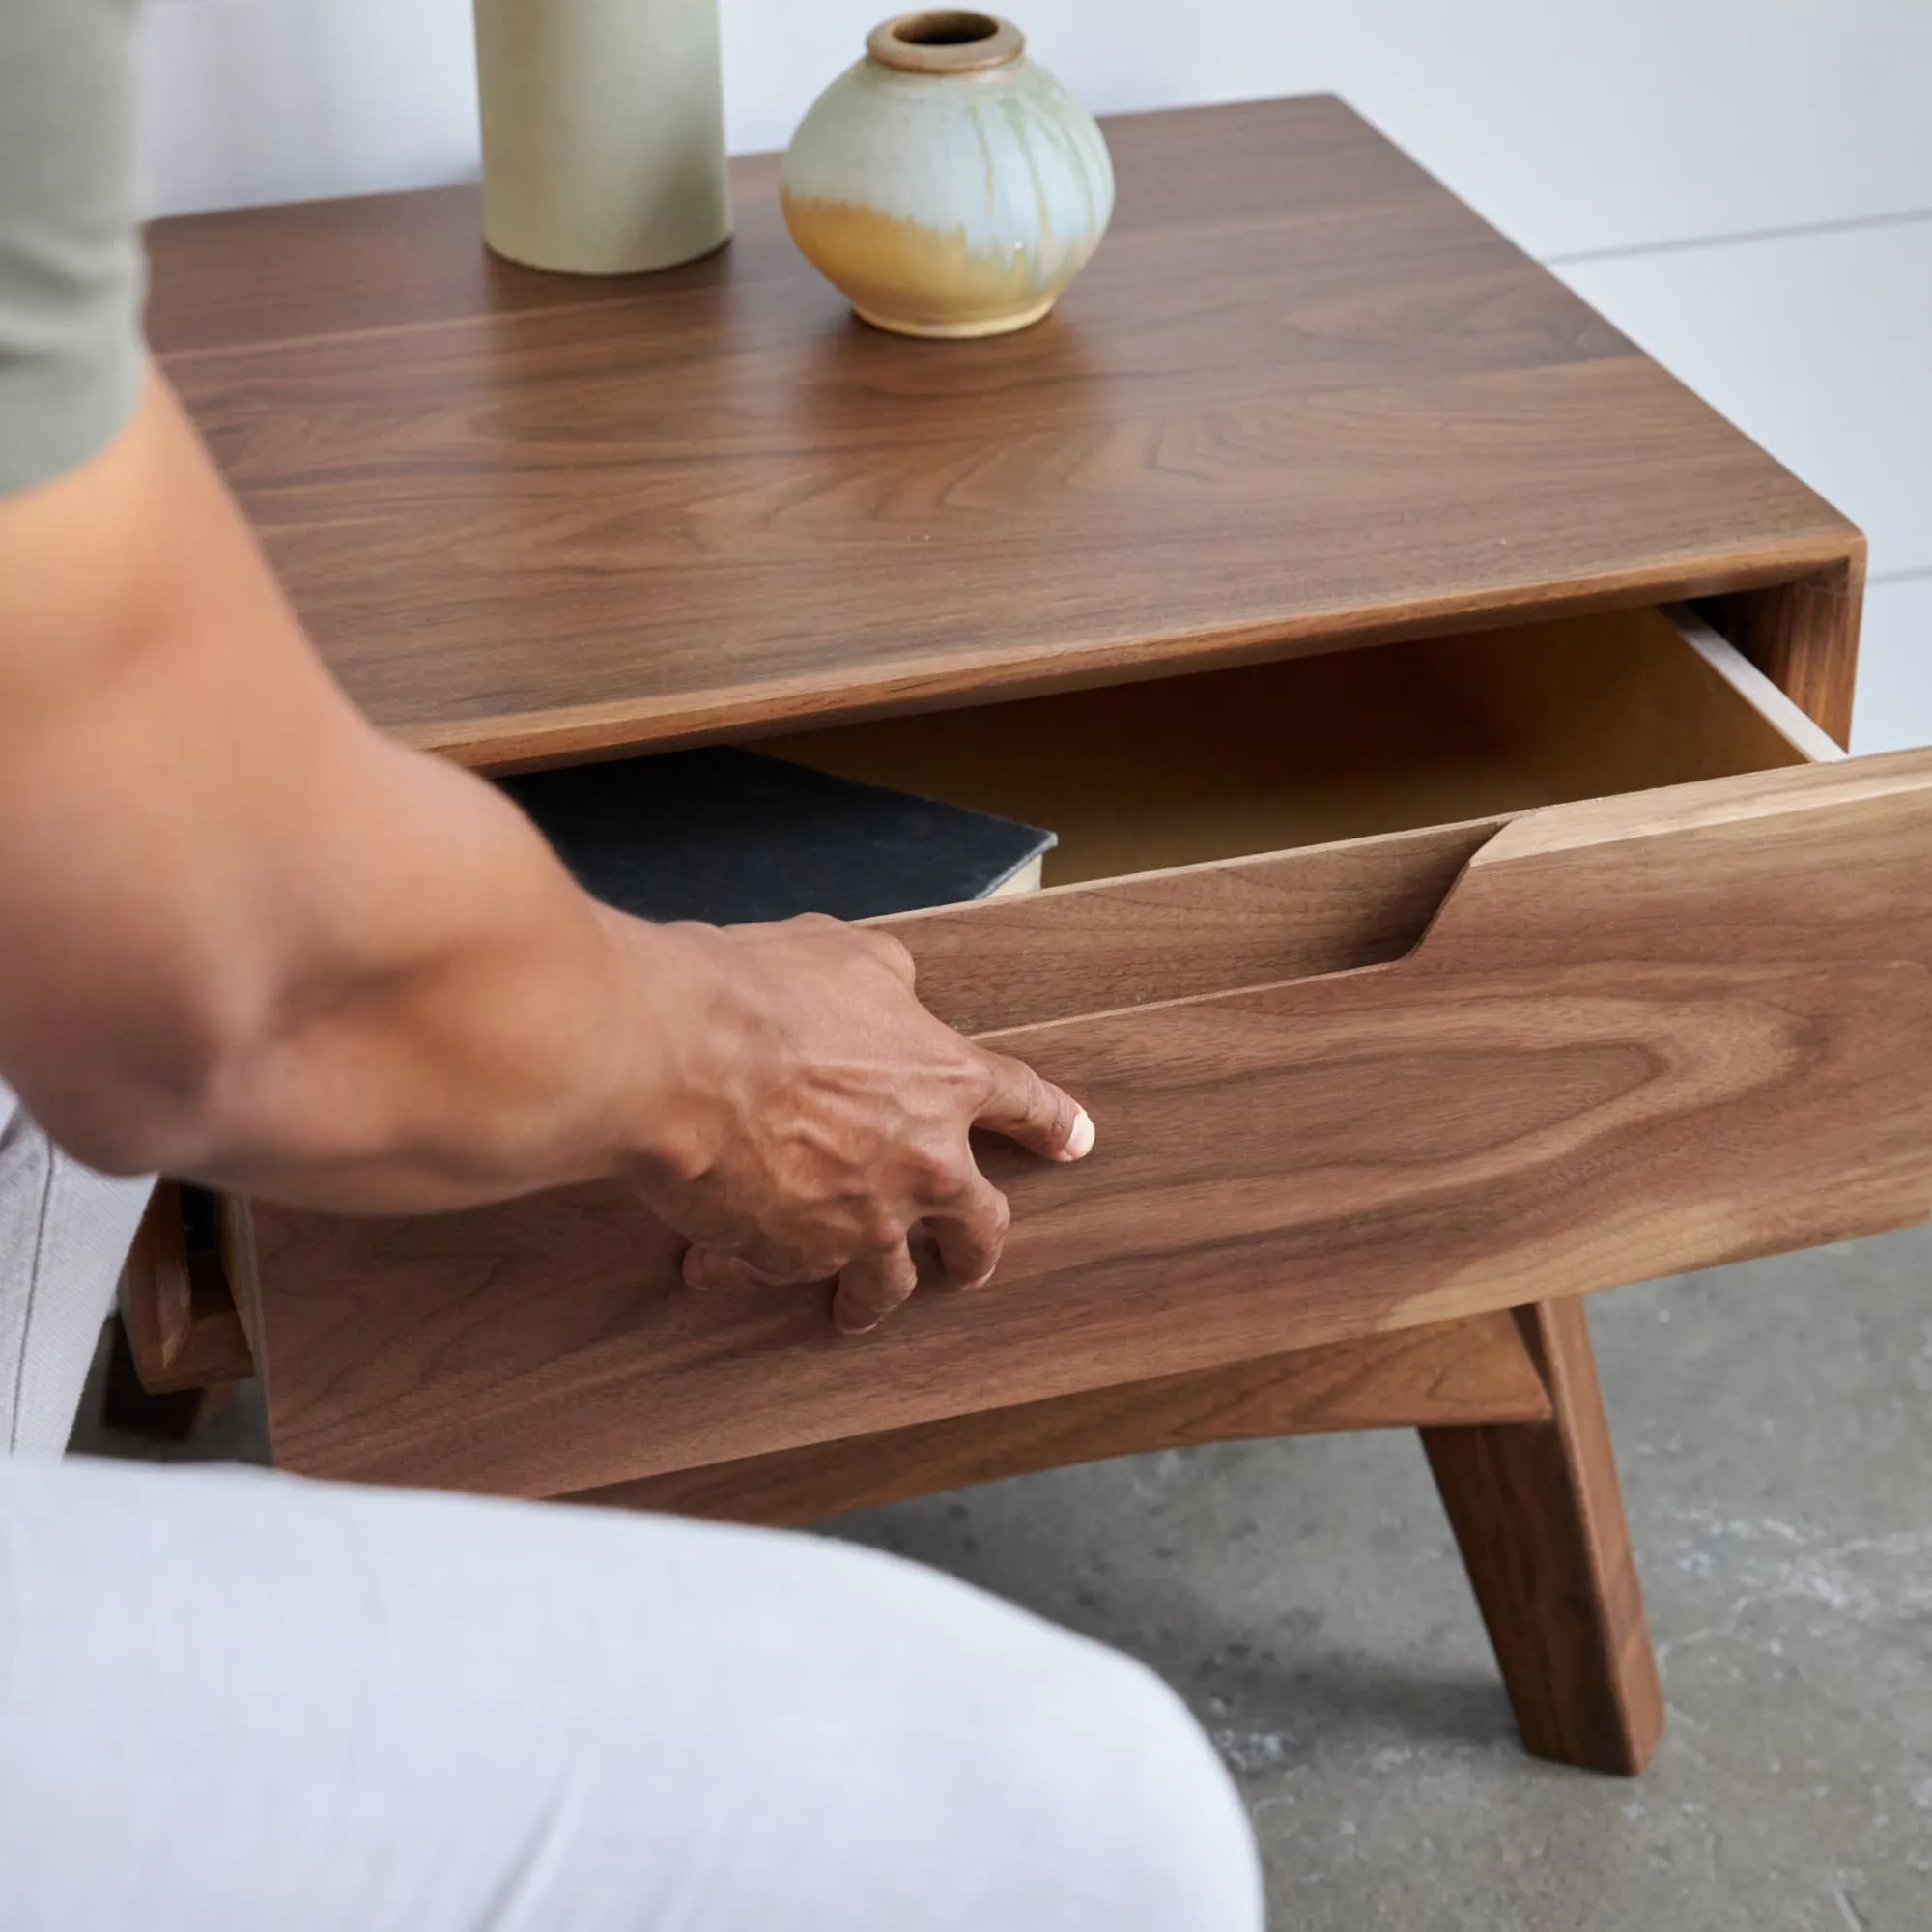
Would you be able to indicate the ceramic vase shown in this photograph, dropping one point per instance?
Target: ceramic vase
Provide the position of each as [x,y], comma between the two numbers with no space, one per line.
[946,184]
[603,132]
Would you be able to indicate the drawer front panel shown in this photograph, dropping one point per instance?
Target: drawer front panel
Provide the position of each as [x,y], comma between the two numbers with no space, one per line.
[1640,1035]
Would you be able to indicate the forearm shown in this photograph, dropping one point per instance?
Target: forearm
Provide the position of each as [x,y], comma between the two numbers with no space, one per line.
[247,938]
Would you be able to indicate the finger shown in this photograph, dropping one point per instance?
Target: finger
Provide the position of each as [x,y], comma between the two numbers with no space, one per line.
[871,1287]
[970,1236]
[712,1268]
[891,955]
[1034,1112]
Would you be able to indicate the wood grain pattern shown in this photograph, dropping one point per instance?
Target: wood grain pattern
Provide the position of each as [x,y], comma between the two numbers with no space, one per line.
[180,1321]
[1176,935]
[1453,1372]
[1286,752]
[1539,1518]
[1139,778]
[1302,751]
[1805,636]
[1614,1054]
[528,520]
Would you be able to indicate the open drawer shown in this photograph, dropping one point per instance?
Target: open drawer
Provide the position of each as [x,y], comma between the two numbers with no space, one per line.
[1397,990]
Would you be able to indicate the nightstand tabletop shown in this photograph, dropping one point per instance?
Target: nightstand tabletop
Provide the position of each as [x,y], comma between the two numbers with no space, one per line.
[1302,398]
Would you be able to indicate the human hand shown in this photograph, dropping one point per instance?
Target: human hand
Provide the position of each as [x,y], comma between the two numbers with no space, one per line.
[820,1115]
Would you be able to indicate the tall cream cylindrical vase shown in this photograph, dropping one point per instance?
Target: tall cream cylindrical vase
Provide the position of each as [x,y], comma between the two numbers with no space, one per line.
[603,132]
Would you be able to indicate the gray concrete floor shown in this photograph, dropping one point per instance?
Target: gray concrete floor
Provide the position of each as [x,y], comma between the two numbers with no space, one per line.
[1774,1430]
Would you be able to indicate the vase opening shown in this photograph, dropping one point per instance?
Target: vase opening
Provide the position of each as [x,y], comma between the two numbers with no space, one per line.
[946,28]
[946,39]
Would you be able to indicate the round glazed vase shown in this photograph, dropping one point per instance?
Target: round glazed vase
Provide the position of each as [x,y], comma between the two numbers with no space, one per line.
[946,184]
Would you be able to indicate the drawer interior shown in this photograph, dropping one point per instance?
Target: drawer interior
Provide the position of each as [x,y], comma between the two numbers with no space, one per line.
[1221,764]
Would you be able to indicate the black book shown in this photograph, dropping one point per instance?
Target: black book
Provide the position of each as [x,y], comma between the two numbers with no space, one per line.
[728,837]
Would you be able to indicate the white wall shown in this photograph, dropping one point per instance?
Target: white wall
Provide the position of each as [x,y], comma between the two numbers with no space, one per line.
[1643,147]
[1575,124]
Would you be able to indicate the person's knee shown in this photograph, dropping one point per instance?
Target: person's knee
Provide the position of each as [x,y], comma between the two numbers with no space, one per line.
[976,1766]
[1154,1819]
[1054,1782]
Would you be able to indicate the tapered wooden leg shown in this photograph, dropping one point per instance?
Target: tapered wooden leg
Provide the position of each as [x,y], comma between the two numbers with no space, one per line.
[1539,1518]
[176,1415]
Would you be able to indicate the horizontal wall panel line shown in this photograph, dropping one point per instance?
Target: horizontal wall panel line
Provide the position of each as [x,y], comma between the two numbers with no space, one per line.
[1634,250]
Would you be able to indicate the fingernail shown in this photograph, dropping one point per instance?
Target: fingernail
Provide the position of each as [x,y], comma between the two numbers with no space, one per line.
[1080,1140]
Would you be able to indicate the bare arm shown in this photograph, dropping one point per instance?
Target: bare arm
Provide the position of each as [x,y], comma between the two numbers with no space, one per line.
[247,939]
